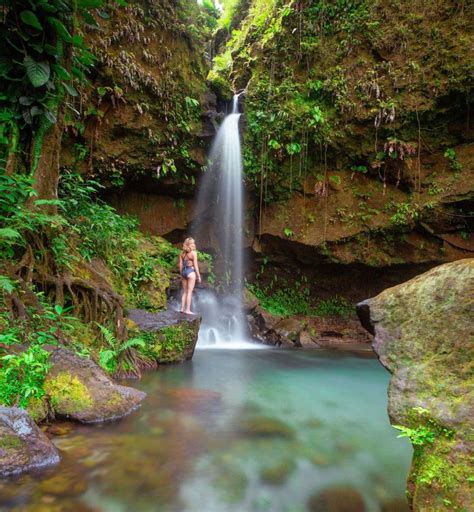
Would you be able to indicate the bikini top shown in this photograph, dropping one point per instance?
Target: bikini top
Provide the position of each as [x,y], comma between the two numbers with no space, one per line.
[186,261]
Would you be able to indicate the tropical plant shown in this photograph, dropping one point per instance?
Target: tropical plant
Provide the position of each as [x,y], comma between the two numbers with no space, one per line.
[112,356]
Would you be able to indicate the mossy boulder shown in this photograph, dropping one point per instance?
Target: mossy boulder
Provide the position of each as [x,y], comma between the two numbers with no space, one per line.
[172,336]
[23,446]
[77,388]
[424,335]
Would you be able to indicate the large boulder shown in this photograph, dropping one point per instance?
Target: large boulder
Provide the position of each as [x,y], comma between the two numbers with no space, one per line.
[23,446]
[78,389]
[424,335]
[172,335]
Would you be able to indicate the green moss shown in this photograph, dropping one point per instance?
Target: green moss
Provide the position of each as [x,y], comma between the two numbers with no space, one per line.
[171,343]
[68,394]
[145,278]
[440,471]
[10,442]
[38,409]
[115,399]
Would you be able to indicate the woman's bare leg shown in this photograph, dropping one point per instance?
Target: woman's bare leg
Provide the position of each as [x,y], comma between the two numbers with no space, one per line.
[184,283]
[190,287]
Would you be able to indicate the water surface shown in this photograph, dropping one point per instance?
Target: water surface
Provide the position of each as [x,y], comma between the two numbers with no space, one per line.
[233,430]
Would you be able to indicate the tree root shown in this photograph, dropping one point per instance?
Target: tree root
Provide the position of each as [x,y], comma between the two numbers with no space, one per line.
[91,296]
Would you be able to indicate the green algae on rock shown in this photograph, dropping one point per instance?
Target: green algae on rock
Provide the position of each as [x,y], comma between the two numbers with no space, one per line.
[424,335]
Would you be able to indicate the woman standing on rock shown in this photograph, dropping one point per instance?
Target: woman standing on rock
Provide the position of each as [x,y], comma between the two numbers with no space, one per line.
[189,270]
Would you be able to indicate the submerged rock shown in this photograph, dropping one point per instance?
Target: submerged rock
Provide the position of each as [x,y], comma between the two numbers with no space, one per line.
[278,473]
[337,499]
[23,446]
[262,426]
[80,390]
[424,335]
[174,334]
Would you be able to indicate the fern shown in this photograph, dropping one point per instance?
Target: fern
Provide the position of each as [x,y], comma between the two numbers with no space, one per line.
[108,336]
[131,343]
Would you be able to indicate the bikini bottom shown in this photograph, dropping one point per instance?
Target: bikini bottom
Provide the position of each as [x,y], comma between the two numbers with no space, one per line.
[187,271]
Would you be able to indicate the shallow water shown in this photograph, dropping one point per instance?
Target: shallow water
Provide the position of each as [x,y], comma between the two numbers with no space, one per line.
[259,430]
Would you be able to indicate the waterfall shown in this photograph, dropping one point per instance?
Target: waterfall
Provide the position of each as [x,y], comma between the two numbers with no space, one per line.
[219,212]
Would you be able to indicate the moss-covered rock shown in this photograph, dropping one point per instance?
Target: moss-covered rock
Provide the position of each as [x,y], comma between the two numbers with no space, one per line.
[146,278]
[23,446]
[77,388]
[424,336]
[68,394]
[171,336]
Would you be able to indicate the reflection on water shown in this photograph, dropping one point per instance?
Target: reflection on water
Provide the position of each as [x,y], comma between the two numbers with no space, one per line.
[234,431]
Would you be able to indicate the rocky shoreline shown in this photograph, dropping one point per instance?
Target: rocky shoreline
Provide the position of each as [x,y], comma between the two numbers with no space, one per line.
[78,389]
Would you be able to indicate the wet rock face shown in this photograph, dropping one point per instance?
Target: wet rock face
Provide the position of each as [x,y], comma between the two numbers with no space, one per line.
[424,335]
[301,331]
[80,390]
[23,446]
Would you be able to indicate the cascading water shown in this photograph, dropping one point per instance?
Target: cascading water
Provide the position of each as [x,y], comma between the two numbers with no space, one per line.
[220,222]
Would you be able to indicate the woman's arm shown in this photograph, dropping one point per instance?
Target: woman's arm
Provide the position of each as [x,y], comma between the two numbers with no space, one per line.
[180,264]
[196,266]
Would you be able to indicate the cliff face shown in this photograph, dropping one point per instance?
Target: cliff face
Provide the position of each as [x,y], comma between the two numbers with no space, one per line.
[146,111]
[357,133]
[424,336]
[358,139]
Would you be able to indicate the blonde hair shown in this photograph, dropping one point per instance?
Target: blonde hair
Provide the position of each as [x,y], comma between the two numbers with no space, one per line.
[189,245]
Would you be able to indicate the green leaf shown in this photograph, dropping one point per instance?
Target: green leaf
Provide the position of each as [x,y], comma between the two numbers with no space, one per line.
[44,5]
[48,202]
[25,100]
[70,89]
[37,72]
[30,18]
[51,50]
[50,116]
[61,30]
[90,4]
[35,111]
[62,72]
[9,233]
[89,19]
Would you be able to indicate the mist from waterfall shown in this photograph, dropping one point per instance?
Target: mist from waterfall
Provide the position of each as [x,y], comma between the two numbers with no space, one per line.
[220,223]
